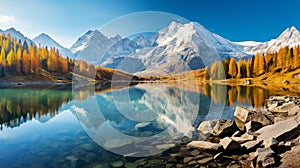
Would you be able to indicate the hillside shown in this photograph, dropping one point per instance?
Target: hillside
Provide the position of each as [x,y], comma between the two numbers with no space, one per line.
[21,63]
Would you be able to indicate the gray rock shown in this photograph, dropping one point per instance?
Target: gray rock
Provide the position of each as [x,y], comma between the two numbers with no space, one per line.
[165,146]
[118,163]
[205,146]
[294,111]
[206,128]
[187,159]
[229,144]
[262,117]
[281,130]
[200,156]
[195,152]
[270,142]
[116,143]
[244,138]
[204,161]
[253,126]
[241,113]
[279,118]
[250,145]
[286,107]
[192,163]
[224,128]
[264,157]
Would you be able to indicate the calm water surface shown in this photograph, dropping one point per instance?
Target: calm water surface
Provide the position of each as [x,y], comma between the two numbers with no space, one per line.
[53,127]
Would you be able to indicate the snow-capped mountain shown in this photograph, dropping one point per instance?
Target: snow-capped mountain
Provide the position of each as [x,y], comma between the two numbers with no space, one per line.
[176,48]
[92,46]
[16,34]
[290,37]
[44,40]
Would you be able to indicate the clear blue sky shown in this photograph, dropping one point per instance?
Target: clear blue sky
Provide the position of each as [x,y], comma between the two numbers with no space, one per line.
[66,20]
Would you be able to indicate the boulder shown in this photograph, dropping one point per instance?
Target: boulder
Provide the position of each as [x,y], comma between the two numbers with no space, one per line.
[280,131]
[253,126]
[205,146]
[244,115]
[241,113]
[264,157]
[250,145]
[294,111]
[224,128]
[244,138]
[286,107]
[206,128]
[270,142]
[229,144]
[262,117]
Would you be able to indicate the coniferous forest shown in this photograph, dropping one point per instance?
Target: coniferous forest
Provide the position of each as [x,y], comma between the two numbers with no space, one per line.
[286,59]
[22,59]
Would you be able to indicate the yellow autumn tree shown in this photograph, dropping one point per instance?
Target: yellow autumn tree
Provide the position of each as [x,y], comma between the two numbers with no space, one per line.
[296,58]
[232,68]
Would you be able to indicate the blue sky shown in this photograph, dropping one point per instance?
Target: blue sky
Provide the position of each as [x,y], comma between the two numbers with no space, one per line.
[65,21]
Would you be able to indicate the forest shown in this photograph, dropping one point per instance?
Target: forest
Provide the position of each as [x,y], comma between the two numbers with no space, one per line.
[286,58]
[19,58]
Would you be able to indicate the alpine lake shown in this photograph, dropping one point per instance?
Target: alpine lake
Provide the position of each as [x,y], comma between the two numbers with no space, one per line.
[139,126]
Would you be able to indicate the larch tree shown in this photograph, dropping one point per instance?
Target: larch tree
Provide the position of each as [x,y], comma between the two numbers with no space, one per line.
[239,68]
[18,60]
[296,58]
[232,68]
[2,58]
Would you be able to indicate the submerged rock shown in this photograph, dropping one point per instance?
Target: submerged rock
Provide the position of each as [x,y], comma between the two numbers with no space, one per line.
[205,146]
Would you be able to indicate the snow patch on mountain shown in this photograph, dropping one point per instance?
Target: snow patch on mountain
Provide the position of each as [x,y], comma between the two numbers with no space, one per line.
[289,37]
[46,41]
[92,46]
[16,34]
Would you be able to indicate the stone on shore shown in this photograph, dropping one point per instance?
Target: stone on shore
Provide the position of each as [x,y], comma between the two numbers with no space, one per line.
[205,146]
[241,113]
[294,111]
[206,128]
[250,145]
[224,128]
[229,144]
[270,142]
[264,157]
[253,126]
[281,131]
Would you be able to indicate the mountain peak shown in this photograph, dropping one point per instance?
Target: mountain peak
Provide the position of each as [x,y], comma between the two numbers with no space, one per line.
[12,29]
[293,28]
[45,40]
[289,37]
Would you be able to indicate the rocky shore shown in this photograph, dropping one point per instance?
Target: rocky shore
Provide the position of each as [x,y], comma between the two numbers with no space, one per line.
[269,137]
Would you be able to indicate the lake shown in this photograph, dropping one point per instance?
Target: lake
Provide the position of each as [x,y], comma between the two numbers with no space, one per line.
[91,127]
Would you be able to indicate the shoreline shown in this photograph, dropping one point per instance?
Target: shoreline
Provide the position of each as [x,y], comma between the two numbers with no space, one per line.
[256,138]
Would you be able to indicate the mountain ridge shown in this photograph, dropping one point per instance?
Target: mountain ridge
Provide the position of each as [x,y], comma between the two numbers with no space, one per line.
[45,40]
[175,48]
